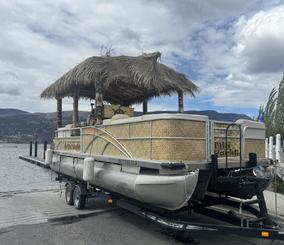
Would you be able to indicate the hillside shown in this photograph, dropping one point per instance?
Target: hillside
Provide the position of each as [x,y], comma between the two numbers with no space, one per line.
[213,115]
[23,127]
[18,126]
[11,112]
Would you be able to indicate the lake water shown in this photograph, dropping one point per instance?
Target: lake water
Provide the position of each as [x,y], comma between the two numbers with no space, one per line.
[19,176]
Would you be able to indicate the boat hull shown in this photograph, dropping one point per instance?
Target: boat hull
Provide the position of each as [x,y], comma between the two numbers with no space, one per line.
[170,192]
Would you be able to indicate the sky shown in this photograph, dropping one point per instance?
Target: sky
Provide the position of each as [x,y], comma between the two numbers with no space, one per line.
[233,50]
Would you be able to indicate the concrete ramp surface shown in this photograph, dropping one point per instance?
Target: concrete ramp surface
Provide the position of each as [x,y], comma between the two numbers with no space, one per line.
[40,207]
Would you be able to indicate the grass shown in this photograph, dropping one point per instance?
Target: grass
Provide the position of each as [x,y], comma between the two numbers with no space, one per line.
[278,186]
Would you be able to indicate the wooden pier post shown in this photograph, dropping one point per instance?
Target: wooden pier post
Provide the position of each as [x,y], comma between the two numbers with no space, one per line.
[145,107]
[44,148]
[180,102]
[59,113]
[35,148]
[31,148]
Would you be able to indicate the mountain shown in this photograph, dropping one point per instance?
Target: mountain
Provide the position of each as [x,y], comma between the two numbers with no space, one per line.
[213,115]
[11,112]
[18,126]
[24,127]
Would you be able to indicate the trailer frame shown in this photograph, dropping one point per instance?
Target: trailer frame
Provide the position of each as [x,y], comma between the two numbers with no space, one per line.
[262,226]
[181,225]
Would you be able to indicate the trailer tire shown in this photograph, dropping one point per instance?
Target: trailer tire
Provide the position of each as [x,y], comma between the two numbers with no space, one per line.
[79,199]
[69,190]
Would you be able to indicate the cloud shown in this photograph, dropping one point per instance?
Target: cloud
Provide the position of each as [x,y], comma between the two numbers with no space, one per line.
[8,84]
[222,45]
[260,41]
[239,62]
[241,90]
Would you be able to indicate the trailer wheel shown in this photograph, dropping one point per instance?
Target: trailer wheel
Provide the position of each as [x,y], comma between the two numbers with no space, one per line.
[69,190]
[79,199]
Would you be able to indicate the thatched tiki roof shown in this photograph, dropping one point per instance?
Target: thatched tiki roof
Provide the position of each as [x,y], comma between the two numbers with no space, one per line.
[125,79]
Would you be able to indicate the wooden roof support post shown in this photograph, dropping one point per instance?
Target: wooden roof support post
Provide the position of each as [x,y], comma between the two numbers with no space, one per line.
[99,103]
[180,102]
[145,107]
[75,110]
[59,113]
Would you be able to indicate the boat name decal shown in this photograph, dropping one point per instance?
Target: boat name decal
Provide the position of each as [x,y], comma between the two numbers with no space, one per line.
[72,146]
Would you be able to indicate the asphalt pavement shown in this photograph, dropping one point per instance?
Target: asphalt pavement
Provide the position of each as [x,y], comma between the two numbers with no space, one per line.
[43,218]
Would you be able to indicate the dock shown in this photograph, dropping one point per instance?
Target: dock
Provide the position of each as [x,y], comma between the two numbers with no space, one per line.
[35,160]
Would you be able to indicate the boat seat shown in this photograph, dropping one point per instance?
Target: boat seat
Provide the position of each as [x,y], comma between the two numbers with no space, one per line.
[119,116]
[150,117]
[115,117]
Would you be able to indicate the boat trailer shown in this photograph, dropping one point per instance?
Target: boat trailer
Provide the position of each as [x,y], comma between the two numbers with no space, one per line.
[231,223]
[228,214]
[241,218]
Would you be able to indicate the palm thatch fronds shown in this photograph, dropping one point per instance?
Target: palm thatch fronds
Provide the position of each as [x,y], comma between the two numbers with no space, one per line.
[125,79]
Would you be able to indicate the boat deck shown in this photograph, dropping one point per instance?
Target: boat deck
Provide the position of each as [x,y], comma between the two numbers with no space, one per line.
[233,162]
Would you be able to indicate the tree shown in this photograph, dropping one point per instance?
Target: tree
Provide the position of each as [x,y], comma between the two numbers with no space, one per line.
[279,111]
[273,112]
[268,113]
[260,116]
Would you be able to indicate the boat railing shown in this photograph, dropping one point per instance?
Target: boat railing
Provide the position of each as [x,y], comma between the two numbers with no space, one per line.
[224,141]
[213,137]
[240,143]
[67,132]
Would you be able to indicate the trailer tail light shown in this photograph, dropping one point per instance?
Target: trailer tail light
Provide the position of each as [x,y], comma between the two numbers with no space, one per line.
[265,234]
